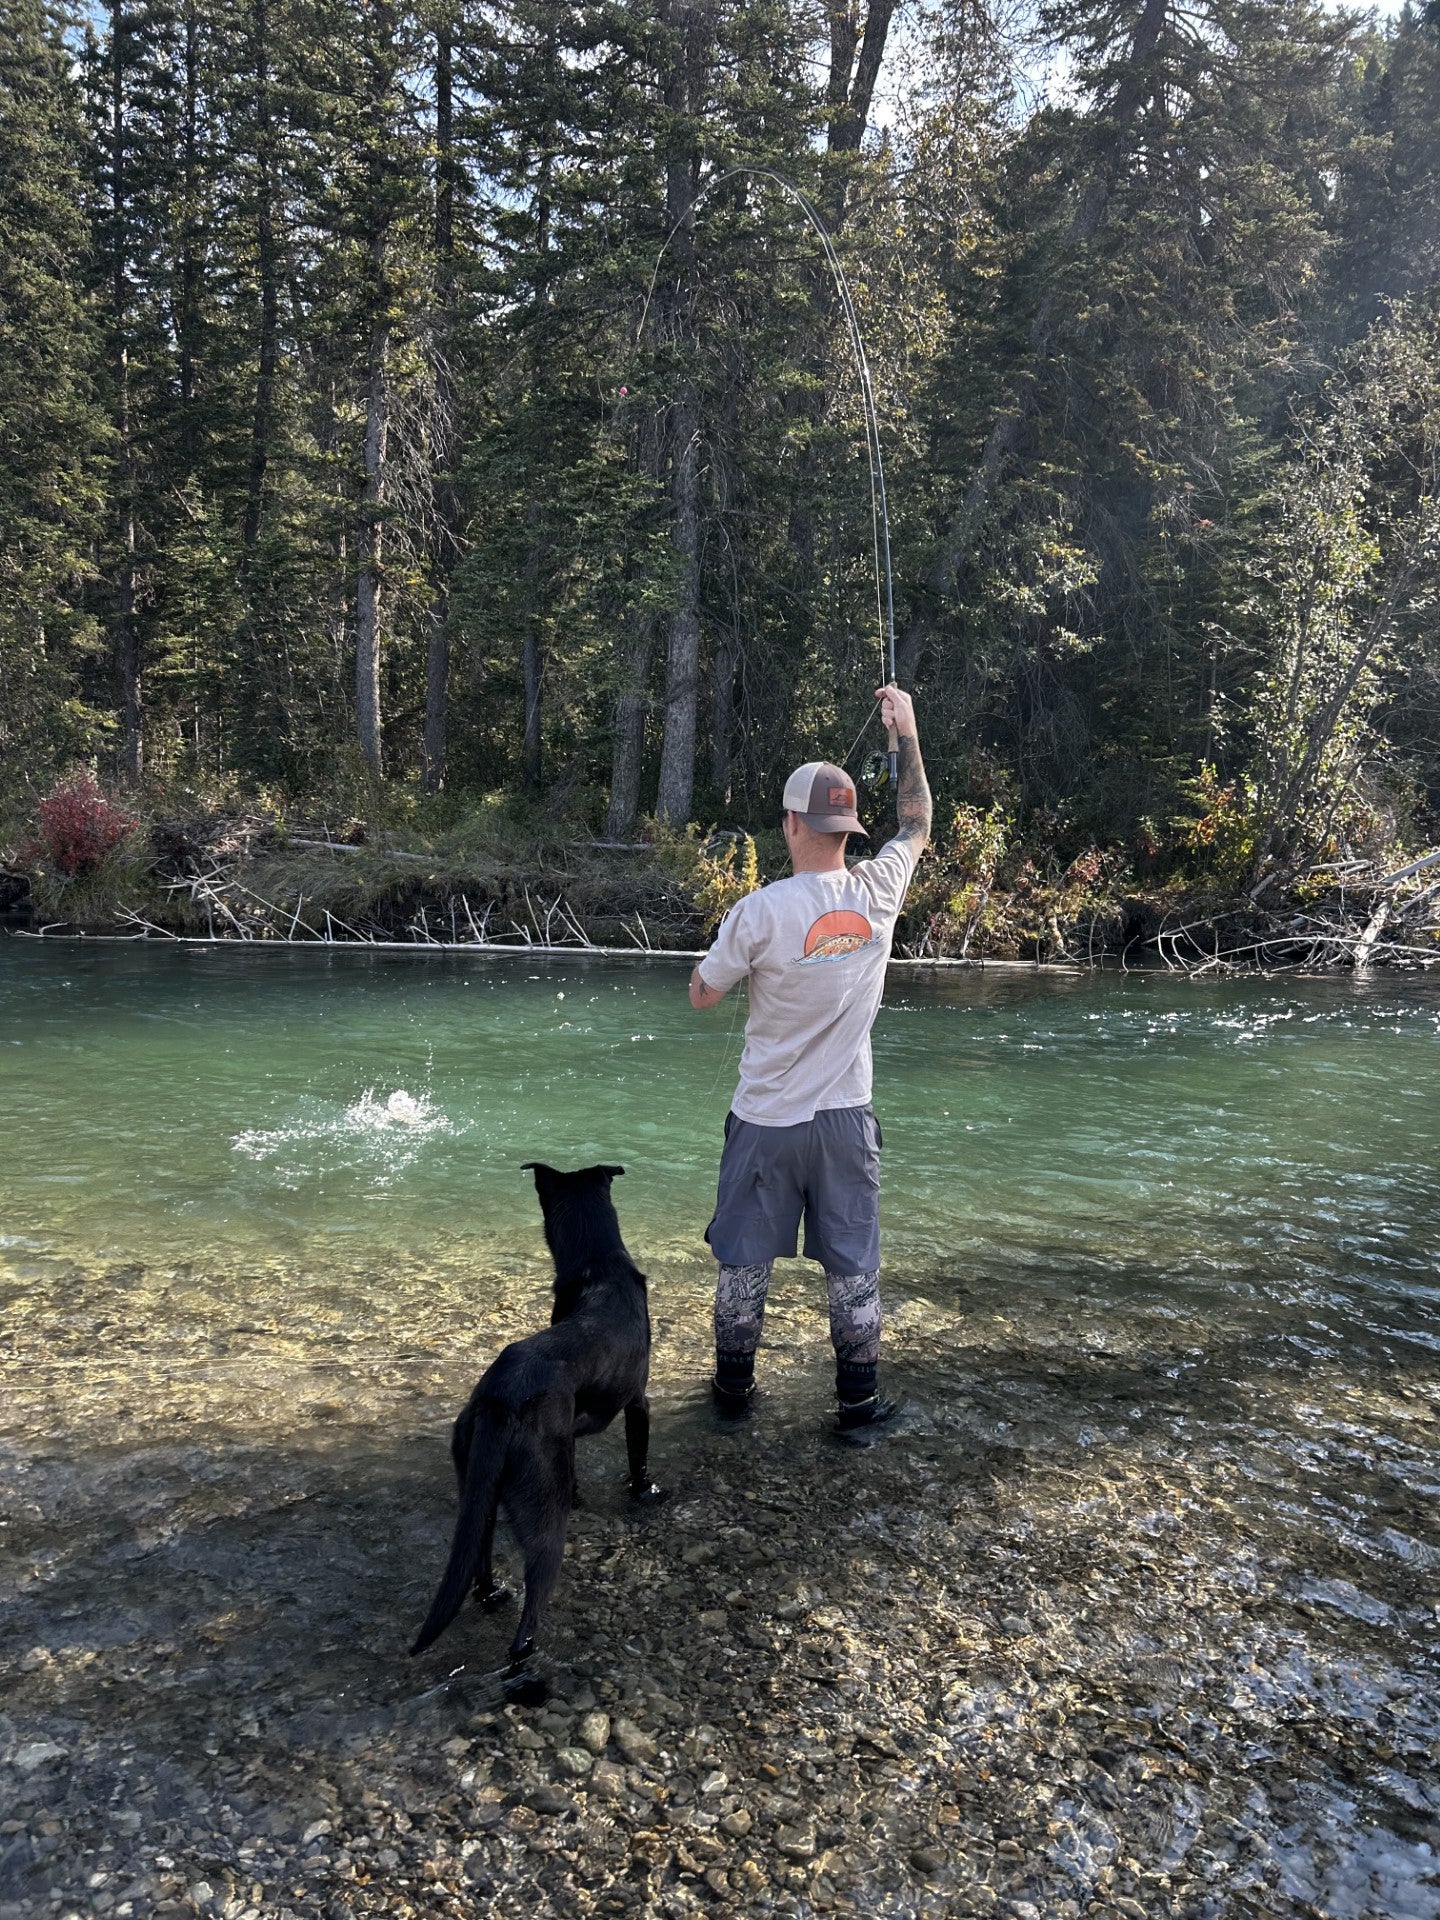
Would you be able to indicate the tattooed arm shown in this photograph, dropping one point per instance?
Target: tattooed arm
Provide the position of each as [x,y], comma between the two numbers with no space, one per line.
[912,799]
[702,998]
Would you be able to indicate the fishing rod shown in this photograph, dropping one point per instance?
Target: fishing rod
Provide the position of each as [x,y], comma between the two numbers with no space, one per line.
[879,507]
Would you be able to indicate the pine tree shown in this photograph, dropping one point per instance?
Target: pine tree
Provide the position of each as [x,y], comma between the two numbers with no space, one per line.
[52,425]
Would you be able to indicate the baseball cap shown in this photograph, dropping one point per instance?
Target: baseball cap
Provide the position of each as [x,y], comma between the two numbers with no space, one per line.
[824,797]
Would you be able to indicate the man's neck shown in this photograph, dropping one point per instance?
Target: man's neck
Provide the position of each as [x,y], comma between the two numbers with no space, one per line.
[813,863]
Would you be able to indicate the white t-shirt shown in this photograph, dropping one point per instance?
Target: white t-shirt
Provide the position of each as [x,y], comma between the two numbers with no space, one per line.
[814,948]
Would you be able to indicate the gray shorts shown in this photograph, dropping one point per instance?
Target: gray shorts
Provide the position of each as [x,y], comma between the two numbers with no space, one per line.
[827,1168]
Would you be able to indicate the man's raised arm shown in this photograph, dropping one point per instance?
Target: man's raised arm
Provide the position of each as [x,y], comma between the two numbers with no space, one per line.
[913,806]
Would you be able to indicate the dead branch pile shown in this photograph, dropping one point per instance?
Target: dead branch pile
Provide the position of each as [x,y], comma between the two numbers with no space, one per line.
[1357,916]
[239,879]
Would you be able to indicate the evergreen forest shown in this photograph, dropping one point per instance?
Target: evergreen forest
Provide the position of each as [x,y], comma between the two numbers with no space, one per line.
[417,407]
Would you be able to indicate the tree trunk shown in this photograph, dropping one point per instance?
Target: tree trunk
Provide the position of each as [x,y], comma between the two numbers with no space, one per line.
[849,94]
[263,413]
[437,687]
[727,640]
[850,90]
[370,548]
[127,632]
[682,655]
[957,543]
[370,543]
[189,316]
[532,665]
[437,651]
[722,716]
[682,651]
[631,704]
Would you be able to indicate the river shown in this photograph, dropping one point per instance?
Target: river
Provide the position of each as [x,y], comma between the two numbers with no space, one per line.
[1139,1603]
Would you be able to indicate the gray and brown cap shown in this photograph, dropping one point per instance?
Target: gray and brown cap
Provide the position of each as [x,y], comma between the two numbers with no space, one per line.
[824,797]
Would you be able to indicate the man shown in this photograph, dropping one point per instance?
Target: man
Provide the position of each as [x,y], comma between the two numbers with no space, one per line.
[801,1136]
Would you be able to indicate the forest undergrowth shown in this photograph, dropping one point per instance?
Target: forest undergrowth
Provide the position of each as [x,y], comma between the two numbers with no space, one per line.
[492,869]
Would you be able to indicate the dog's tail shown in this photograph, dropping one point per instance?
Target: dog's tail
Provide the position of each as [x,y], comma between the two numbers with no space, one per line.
[489,1445]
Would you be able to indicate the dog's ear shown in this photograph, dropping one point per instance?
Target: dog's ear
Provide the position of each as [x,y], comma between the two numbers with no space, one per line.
[611,1173]
[538,1168]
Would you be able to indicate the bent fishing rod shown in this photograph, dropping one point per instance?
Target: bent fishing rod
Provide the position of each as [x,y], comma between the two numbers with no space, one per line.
[879,507]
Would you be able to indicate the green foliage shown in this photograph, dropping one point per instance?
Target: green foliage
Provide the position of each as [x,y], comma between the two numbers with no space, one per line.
[1219,832]
[728,868]
[1153,359]
[52,428]
[1346,576]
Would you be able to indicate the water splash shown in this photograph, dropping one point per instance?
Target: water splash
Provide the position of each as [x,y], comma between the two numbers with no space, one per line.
[383,1134]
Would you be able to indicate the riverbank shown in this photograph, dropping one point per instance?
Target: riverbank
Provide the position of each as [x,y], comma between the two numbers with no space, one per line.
[1060,1645]
[501,878]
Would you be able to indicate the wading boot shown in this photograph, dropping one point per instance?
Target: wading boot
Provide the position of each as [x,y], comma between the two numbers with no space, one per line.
[733,1387]
[860,1402]
[852,1415]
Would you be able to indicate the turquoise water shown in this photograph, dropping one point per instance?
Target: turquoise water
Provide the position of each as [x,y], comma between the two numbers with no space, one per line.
[1161,1290]
[1138,1132]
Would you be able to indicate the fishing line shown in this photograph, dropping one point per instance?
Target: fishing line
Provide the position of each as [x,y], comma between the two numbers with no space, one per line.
[879,506]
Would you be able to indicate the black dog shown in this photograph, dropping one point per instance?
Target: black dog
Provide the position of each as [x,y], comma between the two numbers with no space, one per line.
[514,1445]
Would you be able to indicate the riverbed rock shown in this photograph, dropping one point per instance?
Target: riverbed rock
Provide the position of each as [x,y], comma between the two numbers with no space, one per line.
[634,1742]
[594,1731]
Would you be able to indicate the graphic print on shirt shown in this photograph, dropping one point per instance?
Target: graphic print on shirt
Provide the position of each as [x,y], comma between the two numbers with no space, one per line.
[835,936]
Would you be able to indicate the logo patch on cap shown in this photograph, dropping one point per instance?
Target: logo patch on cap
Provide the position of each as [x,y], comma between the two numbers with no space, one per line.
[842,796]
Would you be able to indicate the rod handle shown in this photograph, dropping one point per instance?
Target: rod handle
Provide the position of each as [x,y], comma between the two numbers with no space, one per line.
[894,740]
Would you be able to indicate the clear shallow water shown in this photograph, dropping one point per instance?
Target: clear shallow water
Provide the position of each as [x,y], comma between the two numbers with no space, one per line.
[1142,1131]
[1149,1577]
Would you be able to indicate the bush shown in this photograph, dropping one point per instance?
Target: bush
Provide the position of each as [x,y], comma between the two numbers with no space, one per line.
[79,827]
[727,869]
[1221,836]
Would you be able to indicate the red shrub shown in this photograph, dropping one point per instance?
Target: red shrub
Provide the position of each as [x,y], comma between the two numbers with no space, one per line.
[78,825]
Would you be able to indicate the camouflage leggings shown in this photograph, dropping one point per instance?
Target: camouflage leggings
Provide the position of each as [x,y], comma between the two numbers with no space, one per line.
[855,1319]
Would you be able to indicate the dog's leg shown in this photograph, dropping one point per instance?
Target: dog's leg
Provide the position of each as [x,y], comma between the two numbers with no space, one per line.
[485,1590]
[540,1529]
[585,1424]
[461,1436]
[637,1448]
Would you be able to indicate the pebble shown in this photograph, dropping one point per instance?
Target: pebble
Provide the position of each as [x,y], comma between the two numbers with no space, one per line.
[549,1800]
[985,1703]
[594,1731]
[634,1742]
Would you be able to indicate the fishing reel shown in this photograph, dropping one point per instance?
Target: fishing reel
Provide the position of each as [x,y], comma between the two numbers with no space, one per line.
[875,772]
